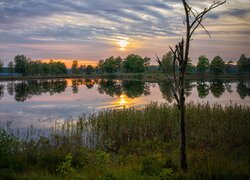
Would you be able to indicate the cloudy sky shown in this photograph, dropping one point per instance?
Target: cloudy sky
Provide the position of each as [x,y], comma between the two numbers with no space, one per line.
[95,29]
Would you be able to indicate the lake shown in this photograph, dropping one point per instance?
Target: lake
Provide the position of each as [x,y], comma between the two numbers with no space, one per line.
[42,103]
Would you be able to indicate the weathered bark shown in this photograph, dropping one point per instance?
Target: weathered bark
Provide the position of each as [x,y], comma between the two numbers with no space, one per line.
[182,119]
[180,58]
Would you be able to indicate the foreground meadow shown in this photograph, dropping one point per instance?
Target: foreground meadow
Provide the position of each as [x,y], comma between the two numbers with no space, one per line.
[134,144]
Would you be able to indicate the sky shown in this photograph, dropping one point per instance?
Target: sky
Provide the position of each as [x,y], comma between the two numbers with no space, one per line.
[90,30]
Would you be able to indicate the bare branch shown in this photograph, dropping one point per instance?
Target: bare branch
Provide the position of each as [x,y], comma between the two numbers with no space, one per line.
[200,17]
[169,80]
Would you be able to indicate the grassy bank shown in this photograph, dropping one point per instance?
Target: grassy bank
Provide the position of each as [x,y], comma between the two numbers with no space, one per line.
[143,76]
[134,144]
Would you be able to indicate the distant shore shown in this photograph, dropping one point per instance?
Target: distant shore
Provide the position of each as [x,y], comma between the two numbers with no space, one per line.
[142,76]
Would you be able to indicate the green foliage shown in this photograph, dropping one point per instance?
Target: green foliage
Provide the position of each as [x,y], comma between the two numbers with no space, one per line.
[135,144]
[11,67]
[244,64]
[57,68]
[151,165]
[217,65]
[134,64]
[65,168]
[110,65]
[74,67]
[167,62]
[26,66]
[203,64]
[89,70]
[21,64]
[8,149]
[166,173]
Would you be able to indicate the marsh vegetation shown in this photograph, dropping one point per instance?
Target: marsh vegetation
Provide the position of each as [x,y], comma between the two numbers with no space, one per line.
[134,144]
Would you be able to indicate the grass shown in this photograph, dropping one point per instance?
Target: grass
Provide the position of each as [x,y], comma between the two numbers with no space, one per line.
[134,144]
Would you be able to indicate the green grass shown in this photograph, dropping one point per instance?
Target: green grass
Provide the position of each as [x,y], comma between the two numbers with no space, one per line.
[135,144]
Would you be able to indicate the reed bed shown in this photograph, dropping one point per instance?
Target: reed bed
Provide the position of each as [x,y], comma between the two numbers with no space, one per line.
[134,143]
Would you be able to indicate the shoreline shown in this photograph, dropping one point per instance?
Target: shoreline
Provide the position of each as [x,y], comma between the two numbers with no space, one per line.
[140,76]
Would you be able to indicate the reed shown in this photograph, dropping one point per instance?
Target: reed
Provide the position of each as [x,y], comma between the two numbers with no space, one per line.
[133,143]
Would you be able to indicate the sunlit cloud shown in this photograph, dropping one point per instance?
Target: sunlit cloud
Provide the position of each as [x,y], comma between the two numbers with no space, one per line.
[92,30]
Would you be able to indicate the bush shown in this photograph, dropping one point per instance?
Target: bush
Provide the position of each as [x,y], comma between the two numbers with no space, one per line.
[8,149]
[151,166]
[65,169]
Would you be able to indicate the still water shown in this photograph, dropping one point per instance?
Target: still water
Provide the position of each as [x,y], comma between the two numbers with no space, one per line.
[42,103]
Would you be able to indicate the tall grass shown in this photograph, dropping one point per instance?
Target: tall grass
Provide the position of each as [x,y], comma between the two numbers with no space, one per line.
[138,143]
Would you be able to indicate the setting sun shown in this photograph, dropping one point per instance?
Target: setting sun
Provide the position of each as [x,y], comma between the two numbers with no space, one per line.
[123,44]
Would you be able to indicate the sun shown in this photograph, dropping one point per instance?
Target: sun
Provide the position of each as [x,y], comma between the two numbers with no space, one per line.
[123,44]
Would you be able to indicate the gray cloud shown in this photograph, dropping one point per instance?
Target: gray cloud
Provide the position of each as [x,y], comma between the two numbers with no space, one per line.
[98,22]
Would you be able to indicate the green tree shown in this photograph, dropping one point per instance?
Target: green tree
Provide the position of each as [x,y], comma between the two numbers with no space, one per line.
[57,68]
[89,69]
[190,67]
[217,65]
[32,68]
[82,69]
[243,64]
[118,64]
[134,63]
[21,64]
[167,62]
[100,66]
[203,64]
[74,67]
[110,65]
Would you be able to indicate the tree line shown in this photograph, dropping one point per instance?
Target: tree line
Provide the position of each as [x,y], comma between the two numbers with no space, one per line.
[216,66]
[133,63]
[25,66]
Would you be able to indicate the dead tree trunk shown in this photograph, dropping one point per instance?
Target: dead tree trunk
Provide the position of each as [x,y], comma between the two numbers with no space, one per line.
[180,59]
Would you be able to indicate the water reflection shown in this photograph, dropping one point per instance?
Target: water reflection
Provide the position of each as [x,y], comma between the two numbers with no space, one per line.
[203,89]
[131,89]
[24,90]
[45,102]
[167,91]
[1,91]
[217,88]
[243,88]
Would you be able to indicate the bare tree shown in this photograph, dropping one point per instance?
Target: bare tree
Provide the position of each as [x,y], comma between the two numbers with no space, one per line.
[193,21]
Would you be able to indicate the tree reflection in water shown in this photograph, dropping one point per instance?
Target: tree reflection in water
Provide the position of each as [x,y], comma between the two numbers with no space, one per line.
[243,89]
[131,89]
[1,91]
[23,90]
[11,88]
[167,93]
[26,89]
[203,89]
[217,88]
